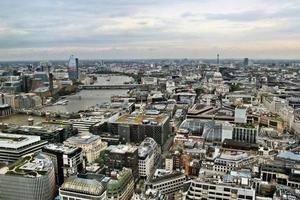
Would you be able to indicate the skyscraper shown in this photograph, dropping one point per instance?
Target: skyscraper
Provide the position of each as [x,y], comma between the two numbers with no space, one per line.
[72,68]
[246,61]
[77,68]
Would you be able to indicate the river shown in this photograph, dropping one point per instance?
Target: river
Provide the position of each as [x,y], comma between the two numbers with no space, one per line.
[79,101]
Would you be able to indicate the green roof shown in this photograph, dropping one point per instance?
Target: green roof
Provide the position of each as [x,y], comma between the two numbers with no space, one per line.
[115,185]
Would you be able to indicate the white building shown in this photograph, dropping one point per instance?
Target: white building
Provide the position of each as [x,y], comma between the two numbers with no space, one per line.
[169,164]
[206,189]
[227,162]
[167,182]
[148,153]
[91,145]
[240,115]
[13,146]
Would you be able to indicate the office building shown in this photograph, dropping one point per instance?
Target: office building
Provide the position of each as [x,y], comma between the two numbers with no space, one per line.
[51,132]
[135,128]
[245,133]
[166,182]
[73,68]
[200,189]
[13,146]
[169,163]
[148,152]
[31,177]
[91,146]
[12,86]
[82,189]
[118,156]
[43,76]
[5,110]
[246,61]
[227,162]
[77,68]
[67,160]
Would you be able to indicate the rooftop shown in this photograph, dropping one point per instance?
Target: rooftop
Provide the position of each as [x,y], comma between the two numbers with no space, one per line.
[146,147]
[142,119]
[289,156]
[83,185]
[15,141]
[61,148]
[33,165]
[83,139]
[121,149]
[120,181]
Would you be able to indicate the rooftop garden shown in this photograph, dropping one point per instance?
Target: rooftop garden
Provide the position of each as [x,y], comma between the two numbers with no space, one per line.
[247,125]
[15,168]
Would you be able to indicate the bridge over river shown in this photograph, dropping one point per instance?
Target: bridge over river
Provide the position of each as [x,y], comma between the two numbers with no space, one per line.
[103,87]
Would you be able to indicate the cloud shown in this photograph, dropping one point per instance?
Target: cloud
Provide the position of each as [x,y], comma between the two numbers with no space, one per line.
[150,28]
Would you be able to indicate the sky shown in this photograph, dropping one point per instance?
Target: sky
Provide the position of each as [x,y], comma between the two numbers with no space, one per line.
[126,29]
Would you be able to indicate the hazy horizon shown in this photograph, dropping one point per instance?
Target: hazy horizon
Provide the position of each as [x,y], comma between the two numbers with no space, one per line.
[152,29]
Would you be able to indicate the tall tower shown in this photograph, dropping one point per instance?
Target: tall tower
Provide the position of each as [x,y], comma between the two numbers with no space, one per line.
[72,68]
[218,59]
[51,83]
[77,68]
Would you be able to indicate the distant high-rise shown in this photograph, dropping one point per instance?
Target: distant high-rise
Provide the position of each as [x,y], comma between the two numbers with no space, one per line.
[77,68]
[218,59]
[51,83]
[246,61]
[72,68]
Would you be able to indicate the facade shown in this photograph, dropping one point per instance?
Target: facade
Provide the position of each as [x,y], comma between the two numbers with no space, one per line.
[135,128]
[169,163]
[120,186]
[166,182]
[73,68]
[240,115]
[13,146]
[91,146]
[226,162]
[119,156]
[82,189]
[67,160]
[284,170]
[245,134]
[31,177]
[5,110]
[148,153]
[201,190]
[50,133]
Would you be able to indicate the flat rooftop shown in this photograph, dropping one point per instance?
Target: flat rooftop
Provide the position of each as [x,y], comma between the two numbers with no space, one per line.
[33,165]
[146,147]
[61,148]
[15,141]
[35,129]
[83,139]
[140,119]
[121,149]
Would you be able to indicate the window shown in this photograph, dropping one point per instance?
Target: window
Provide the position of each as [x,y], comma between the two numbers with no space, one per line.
[212,187]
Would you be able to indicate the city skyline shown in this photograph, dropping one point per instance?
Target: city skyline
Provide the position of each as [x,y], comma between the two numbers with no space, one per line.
[46,30]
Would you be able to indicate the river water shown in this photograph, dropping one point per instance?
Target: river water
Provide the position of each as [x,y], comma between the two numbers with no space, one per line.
[79,101]
[87,98]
